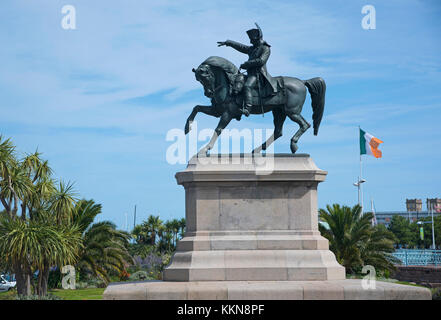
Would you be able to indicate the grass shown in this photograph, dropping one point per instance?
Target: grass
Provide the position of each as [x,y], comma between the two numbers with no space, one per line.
[8,295]
[78,294]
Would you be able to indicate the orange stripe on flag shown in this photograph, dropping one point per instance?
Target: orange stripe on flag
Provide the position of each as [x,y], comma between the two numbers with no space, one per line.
[374,143]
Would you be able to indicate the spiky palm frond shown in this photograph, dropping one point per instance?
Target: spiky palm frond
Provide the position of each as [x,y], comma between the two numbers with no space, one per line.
[35,167]
[38,244]
[16,182]
[377,251]
[353,239]
[84,213]
[105,247]
[63,201]
[7,156]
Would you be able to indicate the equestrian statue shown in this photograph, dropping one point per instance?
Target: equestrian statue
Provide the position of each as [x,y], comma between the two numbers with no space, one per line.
[234,94]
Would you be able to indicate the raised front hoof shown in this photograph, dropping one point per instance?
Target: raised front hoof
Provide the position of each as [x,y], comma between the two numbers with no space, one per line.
[294,147]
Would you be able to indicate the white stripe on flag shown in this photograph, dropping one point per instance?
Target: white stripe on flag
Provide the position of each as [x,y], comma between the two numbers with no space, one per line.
[367,139]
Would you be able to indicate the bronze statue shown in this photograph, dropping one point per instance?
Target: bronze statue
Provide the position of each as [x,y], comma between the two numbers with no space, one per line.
[258,54]
[257,92]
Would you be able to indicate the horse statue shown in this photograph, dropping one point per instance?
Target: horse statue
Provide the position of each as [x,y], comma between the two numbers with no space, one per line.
[223,82]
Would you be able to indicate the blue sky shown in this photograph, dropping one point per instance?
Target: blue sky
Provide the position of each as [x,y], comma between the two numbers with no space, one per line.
[98,101]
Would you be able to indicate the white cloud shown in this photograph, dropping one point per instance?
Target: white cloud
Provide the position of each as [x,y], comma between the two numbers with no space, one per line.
[76,83]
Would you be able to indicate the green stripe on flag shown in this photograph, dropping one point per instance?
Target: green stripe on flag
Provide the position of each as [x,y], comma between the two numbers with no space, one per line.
[362,142]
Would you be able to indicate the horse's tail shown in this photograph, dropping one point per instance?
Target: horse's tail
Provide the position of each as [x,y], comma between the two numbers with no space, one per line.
[317,90]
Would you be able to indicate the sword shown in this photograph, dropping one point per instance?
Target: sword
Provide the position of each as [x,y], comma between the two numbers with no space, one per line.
[260,95]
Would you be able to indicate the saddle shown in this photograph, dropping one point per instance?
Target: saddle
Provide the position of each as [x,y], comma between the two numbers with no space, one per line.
[268,96]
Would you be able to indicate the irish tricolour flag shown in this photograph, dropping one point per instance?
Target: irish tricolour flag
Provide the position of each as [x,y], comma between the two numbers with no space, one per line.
[369,144]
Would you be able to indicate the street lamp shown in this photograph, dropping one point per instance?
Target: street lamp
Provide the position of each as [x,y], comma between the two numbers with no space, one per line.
[433,230]
[360,192]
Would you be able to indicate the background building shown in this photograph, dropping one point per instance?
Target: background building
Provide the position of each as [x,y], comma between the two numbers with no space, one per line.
[414,211]
[385,217]
[414,205]
[434,204]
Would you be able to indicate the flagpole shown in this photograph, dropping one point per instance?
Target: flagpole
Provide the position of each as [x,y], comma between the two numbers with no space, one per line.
[374,217]
[360,190]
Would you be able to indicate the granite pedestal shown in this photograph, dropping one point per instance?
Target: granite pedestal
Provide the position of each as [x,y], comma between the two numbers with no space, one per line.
[252,233]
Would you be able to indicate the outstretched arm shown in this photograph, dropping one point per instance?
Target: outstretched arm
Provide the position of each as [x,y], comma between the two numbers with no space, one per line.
[258,62]
[235,45]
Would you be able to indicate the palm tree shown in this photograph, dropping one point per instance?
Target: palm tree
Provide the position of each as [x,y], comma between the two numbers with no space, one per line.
[53,225]
[53,208]
[141,234]
[153,225]
[353,240]
[36,245]
[105,248]
[166,235]
[174,227]
[377,251]
[182,224]
[38,175]
[27,184]
[62,202]
[15,186]
[7,150]
[84,213]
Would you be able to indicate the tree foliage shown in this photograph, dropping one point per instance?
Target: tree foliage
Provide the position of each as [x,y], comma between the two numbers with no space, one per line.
[105,247]
[154,235]
[44,225]
[354,241]
[408,233]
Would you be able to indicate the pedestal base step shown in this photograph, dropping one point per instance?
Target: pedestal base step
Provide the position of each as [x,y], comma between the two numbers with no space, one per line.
[254,265]
[350,289]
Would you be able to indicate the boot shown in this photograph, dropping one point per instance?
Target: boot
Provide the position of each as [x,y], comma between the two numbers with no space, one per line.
[246,109]
[248,101]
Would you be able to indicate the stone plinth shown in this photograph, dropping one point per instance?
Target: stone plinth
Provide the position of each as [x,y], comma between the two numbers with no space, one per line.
[350,289]
[252,233]
[251,219]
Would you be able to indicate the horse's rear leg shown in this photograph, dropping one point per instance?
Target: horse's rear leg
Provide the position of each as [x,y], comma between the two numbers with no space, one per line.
[279,119]
[304,125]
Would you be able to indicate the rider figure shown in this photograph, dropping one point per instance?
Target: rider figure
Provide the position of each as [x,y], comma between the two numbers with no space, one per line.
[258,55]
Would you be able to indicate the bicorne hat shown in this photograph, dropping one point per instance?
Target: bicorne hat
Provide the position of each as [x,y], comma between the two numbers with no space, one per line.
[255,33]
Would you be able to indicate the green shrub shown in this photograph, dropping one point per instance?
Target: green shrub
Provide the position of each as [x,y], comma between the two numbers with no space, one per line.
[139,275]
[54,280]
[85,285]
[436,294]
[96,283]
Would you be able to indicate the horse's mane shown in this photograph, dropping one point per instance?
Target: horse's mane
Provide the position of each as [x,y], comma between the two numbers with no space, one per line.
[222,63]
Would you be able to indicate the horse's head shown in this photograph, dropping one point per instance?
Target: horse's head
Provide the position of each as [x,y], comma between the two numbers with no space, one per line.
[205,76]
